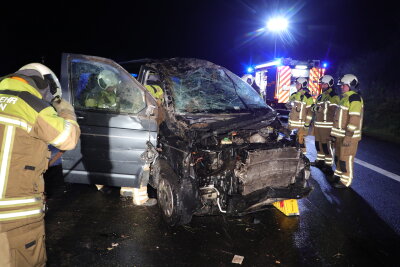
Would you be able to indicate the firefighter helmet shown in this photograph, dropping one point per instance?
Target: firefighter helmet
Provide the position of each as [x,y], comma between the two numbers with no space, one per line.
[47,81]
[107,78]
[302,81]
[350,80]
[248,78]
[328,79]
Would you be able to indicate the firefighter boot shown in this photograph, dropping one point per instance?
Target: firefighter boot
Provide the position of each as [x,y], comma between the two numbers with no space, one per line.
[333,179]
[318,163]
[339,185]
[327,170]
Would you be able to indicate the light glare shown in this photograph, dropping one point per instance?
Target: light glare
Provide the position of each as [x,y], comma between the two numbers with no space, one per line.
[277,24]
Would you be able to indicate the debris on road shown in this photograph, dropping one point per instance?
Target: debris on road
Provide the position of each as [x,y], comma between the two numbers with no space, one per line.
[113,245]
[237,259]
[99,186]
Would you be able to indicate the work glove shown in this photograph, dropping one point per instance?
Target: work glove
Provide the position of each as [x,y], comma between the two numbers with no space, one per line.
[332,139]
[347,141]
[64,109]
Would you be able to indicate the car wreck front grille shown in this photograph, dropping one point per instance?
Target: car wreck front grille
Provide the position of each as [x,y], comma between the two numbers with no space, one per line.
[274,168]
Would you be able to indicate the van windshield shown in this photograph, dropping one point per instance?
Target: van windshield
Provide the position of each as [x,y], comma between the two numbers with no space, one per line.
[199,86]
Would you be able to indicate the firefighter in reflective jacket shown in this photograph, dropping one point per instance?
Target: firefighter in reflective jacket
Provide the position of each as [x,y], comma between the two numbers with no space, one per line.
[153,85]
[156,91]
[324,110]
[300,115]
[346,129]
[28,123]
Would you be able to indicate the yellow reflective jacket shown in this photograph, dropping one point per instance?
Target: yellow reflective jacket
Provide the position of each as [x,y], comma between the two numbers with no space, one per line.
[325,108]
[27,125]
[301,114]
[156,91]
[349,116]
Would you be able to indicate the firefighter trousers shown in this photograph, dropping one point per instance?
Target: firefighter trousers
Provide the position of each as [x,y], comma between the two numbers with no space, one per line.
[323,145]
[301,133]
[344,159]
[23,246]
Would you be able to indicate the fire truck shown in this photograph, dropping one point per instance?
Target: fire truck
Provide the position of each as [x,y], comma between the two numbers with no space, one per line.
[276,79]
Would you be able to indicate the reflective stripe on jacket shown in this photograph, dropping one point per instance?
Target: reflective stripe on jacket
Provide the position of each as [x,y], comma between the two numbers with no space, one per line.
[27,125]
[300,114]
[325,108]
[349,116]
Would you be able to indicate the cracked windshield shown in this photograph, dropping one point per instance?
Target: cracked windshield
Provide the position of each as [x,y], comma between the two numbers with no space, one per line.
[213,90]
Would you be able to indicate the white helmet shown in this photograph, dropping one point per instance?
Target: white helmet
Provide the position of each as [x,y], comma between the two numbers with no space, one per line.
[349,79]
[328,79]
[107,78]
[303,81]
[248,78]
[47,75]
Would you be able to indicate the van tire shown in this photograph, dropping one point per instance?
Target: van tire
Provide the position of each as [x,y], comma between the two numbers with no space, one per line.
[170,199]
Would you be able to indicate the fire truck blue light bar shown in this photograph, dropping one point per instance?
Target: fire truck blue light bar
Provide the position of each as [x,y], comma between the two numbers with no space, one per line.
[268,64]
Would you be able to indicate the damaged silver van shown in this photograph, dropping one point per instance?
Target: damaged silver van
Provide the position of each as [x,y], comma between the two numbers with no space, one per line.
[209,145]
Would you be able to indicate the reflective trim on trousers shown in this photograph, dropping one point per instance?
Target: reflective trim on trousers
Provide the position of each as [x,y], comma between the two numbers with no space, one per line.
[20,214]
[337,134]
[323,126]
[338,173]
[338,130]
[11,202]
[347,179]
[324,122]
[351,127]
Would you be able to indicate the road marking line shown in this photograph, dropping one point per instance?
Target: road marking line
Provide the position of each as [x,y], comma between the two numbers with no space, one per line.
[377,169]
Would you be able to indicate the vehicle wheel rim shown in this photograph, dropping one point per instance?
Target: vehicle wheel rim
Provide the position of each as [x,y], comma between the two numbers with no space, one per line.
[166,198]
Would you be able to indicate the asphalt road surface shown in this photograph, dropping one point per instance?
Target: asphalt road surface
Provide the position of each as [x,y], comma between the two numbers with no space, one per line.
[359,226]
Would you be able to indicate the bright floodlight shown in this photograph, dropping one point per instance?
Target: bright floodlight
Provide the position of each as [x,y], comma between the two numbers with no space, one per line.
[277,24]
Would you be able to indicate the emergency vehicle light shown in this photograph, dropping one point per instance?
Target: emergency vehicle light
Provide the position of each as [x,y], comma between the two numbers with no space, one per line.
[250,70]
[301,67]
[269,64]
[325,64]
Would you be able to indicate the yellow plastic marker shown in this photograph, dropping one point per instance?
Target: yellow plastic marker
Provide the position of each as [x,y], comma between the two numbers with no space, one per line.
[288,207]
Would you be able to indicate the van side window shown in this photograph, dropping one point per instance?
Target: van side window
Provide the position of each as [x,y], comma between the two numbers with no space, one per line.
[98,86]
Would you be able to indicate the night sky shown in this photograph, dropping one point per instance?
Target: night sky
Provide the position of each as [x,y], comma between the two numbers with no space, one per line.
[221,31]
